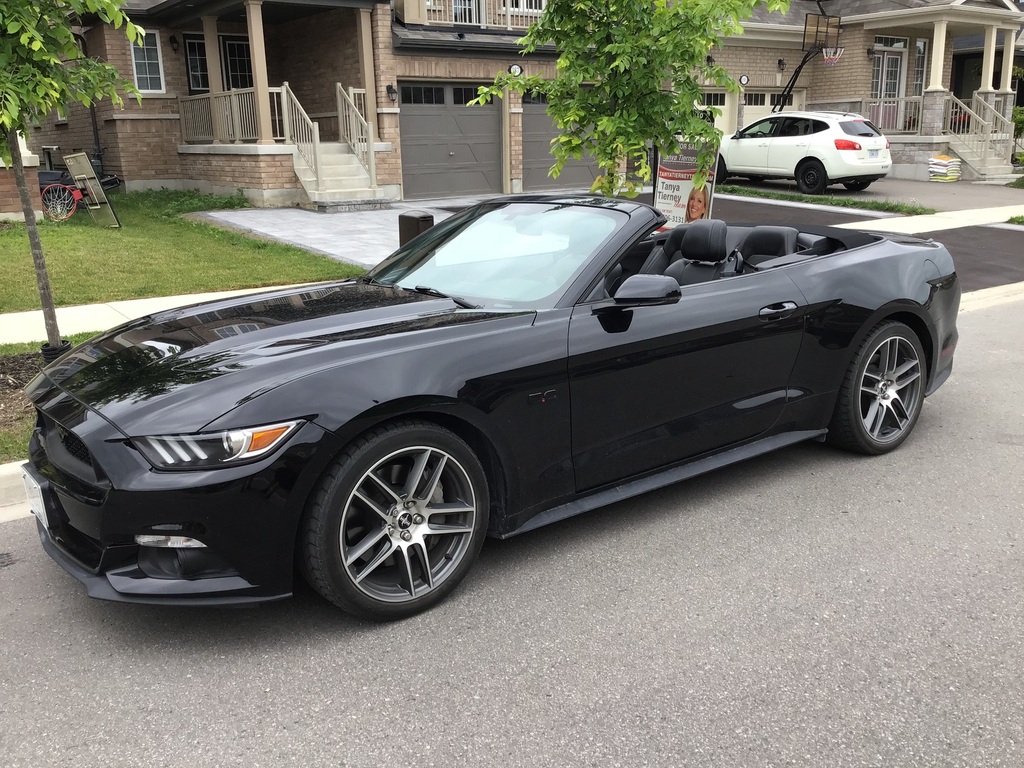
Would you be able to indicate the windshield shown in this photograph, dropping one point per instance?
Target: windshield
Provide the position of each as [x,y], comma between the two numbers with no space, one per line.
[505,254]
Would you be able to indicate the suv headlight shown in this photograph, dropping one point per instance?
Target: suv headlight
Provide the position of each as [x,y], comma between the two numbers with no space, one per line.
[213,449]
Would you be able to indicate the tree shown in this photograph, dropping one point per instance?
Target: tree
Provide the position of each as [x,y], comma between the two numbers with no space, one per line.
[42,68]
[629,73]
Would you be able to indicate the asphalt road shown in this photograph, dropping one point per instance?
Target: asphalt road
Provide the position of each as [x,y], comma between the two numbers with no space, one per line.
[809,608]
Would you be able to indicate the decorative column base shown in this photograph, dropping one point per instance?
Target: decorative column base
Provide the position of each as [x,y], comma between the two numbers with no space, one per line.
[933,112]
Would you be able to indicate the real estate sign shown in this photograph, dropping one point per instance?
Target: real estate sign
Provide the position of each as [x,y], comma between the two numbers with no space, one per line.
[674,193]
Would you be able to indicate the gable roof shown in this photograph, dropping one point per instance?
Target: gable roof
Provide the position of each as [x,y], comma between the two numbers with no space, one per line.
[798,9]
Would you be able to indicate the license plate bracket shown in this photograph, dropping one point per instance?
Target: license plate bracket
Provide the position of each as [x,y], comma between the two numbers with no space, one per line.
[872,153]
[34,493]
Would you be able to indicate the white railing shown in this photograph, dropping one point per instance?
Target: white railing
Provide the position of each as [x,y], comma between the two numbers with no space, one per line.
[228,116]
[967,128]
[894,115]
[301,131]
[1002,129]
[486,14]
[354,130]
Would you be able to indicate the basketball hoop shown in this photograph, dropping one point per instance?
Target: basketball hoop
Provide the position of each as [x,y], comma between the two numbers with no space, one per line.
[831,55]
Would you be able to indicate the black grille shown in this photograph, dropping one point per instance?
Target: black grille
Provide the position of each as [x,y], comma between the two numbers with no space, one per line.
[74,446]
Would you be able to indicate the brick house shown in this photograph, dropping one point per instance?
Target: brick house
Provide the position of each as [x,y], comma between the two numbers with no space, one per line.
[322,101]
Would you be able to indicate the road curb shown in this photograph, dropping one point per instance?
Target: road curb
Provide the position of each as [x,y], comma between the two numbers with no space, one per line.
[12,492]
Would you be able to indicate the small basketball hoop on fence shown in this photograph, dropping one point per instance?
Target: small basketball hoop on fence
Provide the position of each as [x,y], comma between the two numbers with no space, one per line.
[831,55]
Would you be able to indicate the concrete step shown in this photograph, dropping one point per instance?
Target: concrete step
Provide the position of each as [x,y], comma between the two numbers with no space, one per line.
[336,195]
[335,172]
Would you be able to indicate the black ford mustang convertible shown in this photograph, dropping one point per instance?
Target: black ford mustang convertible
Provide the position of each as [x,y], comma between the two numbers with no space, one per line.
[523,361]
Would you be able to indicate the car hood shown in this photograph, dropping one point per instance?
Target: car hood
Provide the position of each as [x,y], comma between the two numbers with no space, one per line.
[178,370]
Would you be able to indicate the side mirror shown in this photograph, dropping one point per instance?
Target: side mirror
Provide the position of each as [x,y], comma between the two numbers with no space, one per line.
[647,290]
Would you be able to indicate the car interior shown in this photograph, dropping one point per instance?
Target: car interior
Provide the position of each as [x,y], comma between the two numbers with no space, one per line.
[710,249]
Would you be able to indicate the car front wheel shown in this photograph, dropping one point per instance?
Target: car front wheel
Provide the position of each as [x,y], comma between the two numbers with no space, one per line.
[811,178]
[396,522]
[883,391]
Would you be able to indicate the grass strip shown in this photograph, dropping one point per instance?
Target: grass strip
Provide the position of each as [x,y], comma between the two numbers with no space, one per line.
[1017,183]
[155,253]
[839,202]
[1016,220]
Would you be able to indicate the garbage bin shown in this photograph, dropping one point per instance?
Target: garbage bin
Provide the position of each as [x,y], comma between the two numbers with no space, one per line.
[412,223]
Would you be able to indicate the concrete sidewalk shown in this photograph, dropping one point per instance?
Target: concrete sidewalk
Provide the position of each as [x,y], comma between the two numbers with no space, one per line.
[366,237]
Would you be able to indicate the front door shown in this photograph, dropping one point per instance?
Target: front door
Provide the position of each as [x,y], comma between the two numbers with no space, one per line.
[887,82]
[653,386]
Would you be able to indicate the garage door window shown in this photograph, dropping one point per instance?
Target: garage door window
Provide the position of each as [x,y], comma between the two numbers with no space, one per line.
[422,94]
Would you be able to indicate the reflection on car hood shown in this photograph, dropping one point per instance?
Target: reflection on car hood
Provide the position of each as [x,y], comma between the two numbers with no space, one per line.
[178,370]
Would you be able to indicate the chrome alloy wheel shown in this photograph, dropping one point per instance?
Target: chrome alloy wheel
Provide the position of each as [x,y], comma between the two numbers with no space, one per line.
[407,524]
[890,389]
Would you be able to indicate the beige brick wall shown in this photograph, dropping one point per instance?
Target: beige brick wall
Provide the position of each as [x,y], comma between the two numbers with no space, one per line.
[10,198]
[312,54]
[242,171]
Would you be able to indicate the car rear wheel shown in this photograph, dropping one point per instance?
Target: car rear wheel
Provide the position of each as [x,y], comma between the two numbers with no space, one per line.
[811,178]
[856,186]
[397,521]
[883,391]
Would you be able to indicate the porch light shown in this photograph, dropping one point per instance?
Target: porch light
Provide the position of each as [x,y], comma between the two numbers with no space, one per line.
[782,65]
[392,92]
[871,53]
[710,60]
[174,43]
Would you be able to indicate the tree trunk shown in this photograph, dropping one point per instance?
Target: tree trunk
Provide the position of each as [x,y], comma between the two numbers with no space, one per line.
[42,278]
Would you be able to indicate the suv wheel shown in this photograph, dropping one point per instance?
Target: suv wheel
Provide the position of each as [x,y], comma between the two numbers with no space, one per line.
[811,178]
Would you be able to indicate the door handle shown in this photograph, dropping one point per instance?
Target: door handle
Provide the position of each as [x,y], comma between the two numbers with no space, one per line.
[777,311]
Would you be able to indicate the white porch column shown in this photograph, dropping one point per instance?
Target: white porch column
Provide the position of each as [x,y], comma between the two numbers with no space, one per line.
[938,57]
[260,80]
[366,65]
[1009,40]
[988,61]
[213,70]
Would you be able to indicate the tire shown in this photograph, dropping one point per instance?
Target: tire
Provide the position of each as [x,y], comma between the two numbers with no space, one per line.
[811,178]
[856,186]
[882,393]
[721,172]
[58,202]
[381,549]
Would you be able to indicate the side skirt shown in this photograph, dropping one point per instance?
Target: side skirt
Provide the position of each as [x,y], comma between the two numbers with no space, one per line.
[663,478]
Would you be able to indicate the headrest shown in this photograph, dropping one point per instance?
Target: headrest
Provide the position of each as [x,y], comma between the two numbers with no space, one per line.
[704,240]
[767,240]
[675,240]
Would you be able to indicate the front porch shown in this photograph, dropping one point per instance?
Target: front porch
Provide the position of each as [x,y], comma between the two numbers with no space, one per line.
[232,115]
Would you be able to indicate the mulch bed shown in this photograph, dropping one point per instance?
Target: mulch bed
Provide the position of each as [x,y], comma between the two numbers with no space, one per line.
[15,372]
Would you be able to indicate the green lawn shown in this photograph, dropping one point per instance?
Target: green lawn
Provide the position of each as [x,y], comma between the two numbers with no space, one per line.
[155,253]
[1017,183]
[1017,220]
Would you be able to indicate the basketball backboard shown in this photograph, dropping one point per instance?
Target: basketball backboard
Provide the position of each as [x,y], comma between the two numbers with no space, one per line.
[821,31]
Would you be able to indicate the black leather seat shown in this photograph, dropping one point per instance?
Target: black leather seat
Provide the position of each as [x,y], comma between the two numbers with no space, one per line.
[702,253]
[768,242]
[663,255]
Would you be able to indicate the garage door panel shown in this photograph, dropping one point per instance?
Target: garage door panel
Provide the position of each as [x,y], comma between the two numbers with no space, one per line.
[538,132]
[450,148]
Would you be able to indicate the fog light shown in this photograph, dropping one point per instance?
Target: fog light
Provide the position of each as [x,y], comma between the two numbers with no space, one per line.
[175,542]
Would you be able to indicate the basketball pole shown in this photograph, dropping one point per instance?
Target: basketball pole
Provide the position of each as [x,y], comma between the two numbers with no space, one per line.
[788,90]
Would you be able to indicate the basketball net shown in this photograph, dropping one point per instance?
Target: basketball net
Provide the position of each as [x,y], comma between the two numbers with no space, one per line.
[831,55]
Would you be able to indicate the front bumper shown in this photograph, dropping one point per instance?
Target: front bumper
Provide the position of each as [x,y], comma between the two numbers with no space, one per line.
[246,516]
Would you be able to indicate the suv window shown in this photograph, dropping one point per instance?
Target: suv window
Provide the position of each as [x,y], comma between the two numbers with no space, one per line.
[762,128]
[859,128]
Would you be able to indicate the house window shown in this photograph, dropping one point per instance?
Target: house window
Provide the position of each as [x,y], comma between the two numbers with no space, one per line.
[754,99]
[882,41]
[527,6]
[776,99]
[195,61]
[920,66]
[149,76]
[237,63]
[714,99]
[534,97]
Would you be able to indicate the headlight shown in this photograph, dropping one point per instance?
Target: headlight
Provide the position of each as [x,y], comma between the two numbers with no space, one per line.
[213,449]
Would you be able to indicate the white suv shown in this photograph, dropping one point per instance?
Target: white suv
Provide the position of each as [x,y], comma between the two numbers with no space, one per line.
[815,148]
